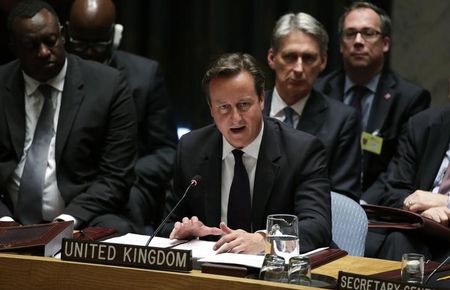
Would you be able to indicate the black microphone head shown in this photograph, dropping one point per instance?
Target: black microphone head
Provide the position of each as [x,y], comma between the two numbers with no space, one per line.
[196,179]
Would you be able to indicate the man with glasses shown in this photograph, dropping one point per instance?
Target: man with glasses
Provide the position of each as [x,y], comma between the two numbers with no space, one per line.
[383,99]
[93,34]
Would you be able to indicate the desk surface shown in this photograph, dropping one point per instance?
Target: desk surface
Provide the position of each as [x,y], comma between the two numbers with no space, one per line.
[31,272]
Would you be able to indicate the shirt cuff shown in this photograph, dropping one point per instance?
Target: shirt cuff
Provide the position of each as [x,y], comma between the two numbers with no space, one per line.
[6,219]
[67,218]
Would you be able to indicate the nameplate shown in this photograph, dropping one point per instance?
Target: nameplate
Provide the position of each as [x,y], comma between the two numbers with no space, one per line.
[126,255]
[350,281]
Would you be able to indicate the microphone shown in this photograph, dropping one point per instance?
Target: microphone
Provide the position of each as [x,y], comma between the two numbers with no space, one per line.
[194,181]
[435,270]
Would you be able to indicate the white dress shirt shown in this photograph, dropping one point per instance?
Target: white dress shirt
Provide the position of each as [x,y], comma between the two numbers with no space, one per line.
[52,201]
[249,159]
[277,106]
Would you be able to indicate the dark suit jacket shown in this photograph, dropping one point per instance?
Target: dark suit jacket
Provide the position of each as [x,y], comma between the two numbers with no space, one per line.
[95,138]
[337,126]
[286,180]
[157,136]
[421,156]
[396,100]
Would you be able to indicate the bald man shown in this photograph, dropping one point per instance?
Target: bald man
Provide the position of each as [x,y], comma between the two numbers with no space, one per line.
[93,34]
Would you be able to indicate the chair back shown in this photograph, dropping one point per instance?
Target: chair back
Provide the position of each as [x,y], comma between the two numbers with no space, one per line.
[349,224]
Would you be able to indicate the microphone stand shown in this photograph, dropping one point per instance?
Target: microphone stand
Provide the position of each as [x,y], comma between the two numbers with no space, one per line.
[193,183]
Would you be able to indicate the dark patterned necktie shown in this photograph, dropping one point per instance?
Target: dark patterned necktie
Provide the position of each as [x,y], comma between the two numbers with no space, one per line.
[239,203]
[29,204]
[289,119]
[358,93]
[444,188]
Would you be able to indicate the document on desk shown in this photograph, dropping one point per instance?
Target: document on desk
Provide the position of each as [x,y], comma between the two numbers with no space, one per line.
[199,248]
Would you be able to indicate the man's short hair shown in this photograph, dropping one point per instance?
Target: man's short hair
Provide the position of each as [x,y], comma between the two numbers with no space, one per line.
[27,9]
[232,64]
[299,22]
[385,20]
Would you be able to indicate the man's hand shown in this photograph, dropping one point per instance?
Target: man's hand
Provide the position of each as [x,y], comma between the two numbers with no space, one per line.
[420,201]
[239,241]
[192,228]
[438,214]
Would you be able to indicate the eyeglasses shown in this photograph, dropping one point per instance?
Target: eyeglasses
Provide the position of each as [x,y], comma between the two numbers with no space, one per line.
[367,34]
[81,45]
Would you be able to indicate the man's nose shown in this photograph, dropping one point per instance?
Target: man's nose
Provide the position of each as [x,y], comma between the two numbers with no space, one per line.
[44,51]
[298,66]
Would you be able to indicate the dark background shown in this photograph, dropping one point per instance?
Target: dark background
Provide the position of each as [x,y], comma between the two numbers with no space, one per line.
[184,36]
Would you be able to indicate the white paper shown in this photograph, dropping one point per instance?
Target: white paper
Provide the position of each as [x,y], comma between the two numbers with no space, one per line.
[254,261]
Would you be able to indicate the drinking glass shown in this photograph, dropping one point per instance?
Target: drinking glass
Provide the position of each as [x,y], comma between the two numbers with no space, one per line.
[273,269]
[299,271]
[282,236]
[412,268]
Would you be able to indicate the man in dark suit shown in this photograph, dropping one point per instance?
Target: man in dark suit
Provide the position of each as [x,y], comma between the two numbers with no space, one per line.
[297,55]
[285,169]
[93,34]
[417,183]
[92,138]
[383,99]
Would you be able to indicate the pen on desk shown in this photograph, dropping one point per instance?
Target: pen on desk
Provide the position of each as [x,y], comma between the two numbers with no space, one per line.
[443,278]
[177,244]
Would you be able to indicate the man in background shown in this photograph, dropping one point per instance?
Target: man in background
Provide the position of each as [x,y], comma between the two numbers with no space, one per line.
[384,101]
[419,181]
[67,130]
[250,166]
[93,34]
[297,55]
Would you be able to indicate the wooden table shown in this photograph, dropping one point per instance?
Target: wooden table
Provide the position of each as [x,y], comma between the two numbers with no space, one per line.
[31,272]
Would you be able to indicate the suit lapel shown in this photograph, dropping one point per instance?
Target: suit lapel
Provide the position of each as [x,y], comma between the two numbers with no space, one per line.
[437,142]
[382,102]
[313,115]
[15,110]
[211,170]
[334,88]
[71,99]
[266,172]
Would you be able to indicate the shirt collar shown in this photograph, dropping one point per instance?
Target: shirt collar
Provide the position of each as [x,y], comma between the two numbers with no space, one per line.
[371,85]
[252,149]
[278,104]
[57,82]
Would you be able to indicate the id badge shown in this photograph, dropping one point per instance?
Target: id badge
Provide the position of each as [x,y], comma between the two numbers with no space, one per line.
[371,143]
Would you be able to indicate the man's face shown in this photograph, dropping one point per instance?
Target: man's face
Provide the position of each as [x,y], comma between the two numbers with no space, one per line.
[39,46]
[297,63]
[359,51]
[236,108]
[93,42]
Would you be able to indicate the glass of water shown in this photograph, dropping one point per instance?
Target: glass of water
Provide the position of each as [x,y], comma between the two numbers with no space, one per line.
[412,268]
[282,236]
[273,269]
[299,271]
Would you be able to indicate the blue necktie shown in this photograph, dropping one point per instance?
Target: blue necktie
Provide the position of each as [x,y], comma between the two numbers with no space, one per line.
[239,201]
[29,204]
[289,116]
